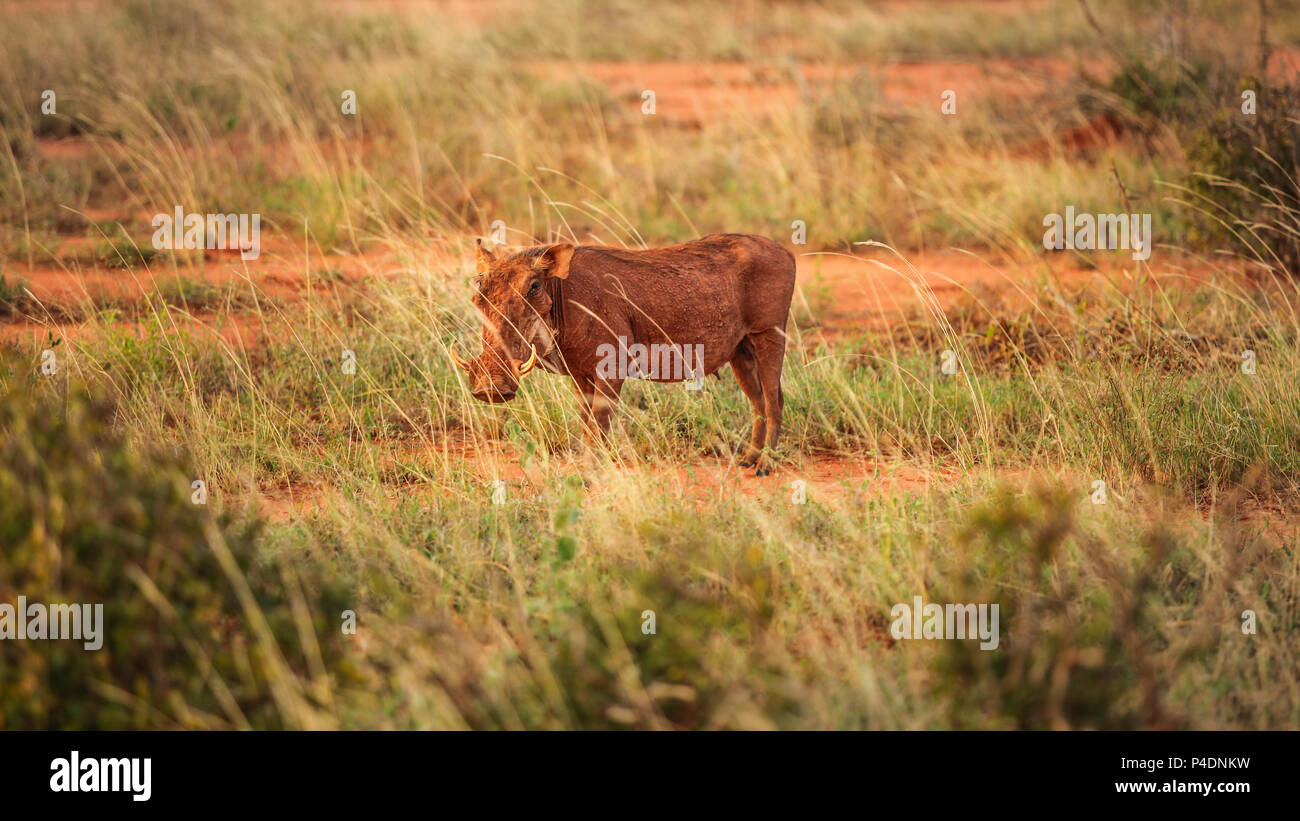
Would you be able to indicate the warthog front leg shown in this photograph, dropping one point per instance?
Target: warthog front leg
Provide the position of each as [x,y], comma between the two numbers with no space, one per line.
[599,398]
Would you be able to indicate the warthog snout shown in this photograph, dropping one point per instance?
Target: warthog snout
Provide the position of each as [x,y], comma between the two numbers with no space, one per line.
[494,395]
[492,378]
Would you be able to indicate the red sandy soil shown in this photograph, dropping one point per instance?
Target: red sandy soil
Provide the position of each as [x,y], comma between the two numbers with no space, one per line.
[828,480]
[707,482]
[279,276]
[868,289]
[280,270]
[699,93]
[873,289]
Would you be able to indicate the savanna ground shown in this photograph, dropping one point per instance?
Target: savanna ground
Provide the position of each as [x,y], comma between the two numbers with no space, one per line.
[373,491]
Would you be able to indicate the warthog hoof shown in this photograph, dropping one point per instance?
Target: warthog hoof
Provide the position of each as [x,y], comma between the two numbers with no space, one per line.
[761,462]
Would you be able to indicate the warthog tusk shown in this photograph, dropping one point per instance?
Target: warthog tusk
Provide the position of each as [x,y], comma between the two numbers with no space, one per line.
[529,363]
[460,363]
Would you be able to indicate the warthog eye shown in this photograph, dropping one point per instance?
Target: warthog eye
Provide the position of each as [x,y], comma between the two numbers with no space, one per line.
[535,287]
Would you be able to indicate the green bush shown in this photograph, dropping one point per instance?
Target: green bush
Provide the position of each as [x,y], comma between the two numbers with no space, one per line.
[195,633]
[1167,92]
[1246,168]
[686,674]
[1243,166]
[1076,627]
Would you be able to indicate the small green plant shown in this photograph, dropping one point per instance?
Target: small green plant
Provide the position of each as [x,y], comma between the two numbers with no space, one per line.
[13,295]
[123,254]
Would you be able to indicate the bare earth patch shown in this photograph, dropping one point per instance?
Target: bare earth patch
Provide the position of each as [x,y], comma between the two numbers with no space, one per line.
[698,94]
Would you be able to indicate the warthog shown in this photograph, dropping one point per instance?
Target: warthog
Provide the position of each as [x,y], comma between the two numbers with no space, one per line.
[723,298]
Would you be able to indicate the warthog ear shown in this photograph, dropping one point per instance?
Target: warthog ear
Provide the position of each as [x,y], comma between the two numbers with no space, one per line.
[554,261]
[483,258]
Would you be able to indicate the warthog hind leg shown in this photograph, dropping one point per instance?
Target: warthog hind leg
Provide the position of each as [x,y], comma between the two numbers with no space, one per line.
[745,367]
[769,353]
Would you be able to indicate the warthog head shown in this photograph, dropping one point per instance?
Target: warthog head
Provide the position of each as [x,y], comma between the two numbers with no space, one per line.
[514,293]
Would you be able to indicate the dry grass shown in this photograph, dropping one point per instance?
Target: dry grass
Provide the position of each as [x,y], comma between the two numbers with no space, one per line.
[373,491]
